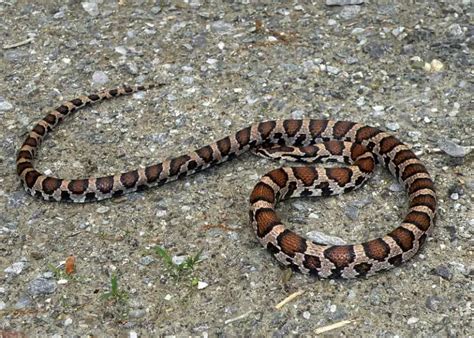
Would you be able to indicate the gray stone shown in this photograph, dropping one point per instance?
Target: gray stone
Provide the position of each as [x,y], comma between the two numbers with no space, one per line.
[455,30]
[23,302]
[91,7]
[453,149]
[433,303]
[333,70]
[352,212]
[5,105]
[395,187]
[146,260]
[343,2]
[221,27]
[16,268]
[100,77]
[393,126]
[322,238]
[350,12]
[444,272]
[42,286]
[138,313]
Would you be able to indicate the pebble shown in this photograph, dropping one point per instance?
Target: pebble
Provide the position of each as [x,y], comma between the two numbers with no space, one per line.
[221,27]
[2,305]
[16,268]
[433,302]
[357,31]
[41,286]
[444,272]
[23,302]
[137,313]
[90,7]
[333,70]
[131,68]
[161,213]
[393,126]
[187,80]
[412,320]
[306,315]
[68,321]
[5,105]
[202,285]
[415,135]
[132,334]
[102,209]
[349,12]
[453,149]
[397,31]
[322,238]
[179,259]
[455,30]
[434,67]
[121,50]
[454,196]
[352,212]
[395,187]
[146,260]
[297,114]
[343,2]
[100,78]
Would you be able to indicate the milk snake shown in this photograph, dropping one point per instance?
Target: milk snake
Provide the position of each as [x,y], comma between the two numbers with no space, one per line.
[358,145]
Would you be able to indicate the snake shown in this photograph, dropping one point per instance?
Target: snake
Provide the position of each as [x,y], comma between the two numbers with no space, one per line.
[358,146]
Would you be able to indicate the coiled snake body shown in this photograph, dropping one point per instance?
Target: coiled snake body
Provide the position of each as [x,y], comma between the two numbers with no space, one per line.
[306,140]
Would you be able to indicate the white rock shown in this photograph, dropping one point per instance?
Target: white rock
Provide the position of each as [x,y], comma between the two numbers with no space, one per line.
[397,31]
[102,209]
[5,105]
[357,31]
[91,7]
[333,70]
[202,285]
[320,237]
[121,50]
[100,77]
[16,268]
[436,66]
[412,320]
[343,2]
[393,126]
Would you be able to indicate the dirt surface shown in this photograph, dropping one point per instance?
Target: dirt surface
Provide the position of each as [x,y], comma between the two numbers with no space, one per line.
[402,66]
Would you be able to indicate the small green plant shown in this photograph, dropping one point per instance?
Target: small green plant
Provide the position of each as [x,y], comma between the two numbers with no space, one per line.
[115,293]
[58,272]
[183,268]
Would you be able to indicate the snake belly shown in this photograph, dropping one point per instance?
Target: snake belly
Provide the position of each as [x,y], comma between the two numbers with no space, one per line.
[305,140]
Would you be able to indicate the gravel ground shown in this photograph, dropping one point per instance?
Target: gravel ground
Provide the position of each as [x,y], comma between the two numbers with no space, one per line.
[405,67]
